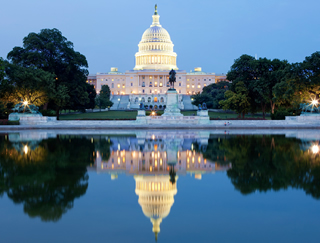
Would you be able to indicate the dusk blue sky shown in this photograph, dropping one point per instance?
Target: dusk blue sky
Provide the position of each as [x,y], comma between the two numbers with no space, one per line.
[208,34]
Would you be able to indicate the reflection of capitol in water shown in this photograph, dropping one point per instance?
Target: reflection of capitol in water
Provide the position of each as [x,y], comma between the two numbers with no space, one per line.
[151,157]
[155,197]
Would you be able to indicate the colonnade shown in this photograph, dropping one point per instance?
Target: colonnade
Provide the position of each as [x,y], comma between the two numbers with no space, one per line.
[156,59]
[160,47]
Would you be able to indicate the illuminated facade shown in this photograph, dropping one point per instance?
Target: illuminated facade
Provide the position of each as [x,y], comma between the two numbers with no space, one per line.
[148,81]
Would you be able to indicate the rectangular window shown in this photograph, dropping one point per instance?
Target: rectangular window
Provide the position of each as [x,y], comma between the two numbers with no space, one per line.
[123,86]
[118,85]
[209,79]
[199,86]
[179,84]
[188,85]
[143,77]
[179,91]
[205,80]
[155,84]
[131,84]
[160,85]
[188,79]
[179,77]
[160,77]
[205,85]
[192,86]
[112,79]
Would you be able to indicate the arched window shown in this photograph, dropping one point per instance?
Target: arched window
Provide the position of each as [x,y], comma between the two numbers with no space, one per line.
[143,84]
[161,100]
[112,85]
[143,91]
[149,99]
[136,100]
[150,85]
[142,99]
[155,99]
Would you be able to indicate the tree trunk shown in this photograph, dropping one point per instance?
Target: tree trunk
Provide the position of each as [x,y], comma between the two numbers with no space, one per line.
[45,106]
[57,113]
[263,108]
[272,106]
[243,114]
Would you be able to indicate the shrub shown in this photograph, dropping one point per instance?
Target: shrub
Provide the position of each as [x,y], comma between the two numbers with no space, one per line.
[282,112]
[48,112]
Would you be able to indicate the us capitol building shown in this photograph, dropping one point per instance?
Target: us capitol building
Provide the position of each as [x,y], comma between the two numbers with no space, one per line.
[148,81]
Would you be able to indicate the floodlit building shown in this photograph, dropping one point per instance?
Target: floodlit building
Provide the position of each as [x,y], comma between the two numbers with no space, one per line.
[148,82]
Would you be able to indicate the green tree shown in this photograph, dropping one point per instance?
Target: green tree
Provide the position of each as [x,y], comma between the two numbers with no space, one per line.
[244,70]
[92,96]
[199,99]
[301,83]
[2,73]
[269,74]
[28,84]
[103,99]
[211,95]
[238,101]
[52,52]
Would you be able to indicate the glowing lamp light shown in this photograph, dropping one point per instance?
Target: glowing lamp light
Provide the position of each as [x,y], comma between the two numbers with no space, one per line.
[25,102]
[315,149]
[25,149]
[153,113]
[314,102]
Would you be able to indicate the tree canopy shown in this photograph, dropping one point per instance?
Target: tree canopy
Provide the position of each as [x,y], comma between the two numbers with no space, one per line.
[211,95]
[103,99]
[238,101]
[50,51]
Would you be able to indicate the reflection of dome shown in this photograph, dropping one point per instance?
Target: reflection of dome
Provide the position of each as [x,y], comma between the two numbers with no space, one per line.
[156,48]
[156,197]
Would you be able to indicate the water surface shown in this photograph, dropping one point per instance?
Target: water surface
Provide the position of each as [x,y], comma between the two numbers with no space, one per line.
[160,186]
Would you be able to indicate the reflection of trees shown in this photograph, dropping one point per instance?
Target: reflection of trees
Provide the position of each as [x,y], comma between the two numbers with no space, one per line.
[269,162]
[46,180]
[102,144]
[213,152]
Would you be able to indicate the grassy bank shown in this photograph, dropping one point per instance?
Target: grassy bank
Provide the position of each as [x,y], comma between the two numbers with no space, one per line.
[125,115]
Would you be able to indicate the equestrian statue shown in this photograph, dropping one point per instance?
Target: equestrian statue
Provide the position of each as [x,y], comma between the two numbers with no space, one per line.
[172,79]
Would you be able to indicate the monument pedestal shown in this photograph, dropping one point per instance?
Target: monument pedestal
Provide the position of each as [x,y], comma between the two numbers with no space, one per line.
[141,117]
[172,108]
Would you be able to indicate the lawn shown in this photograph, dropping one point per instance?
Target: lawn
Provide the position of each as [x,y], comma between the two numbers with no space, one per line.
[113,115]
[118,115]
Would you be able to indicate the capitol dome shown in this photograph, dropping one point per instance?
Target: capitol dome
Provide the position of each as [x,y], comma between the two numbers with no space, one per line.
[156,48]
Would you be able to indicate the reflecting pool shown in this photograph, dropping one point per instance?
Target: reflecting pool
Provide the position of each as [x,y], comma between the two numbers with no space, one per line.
[146,186]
